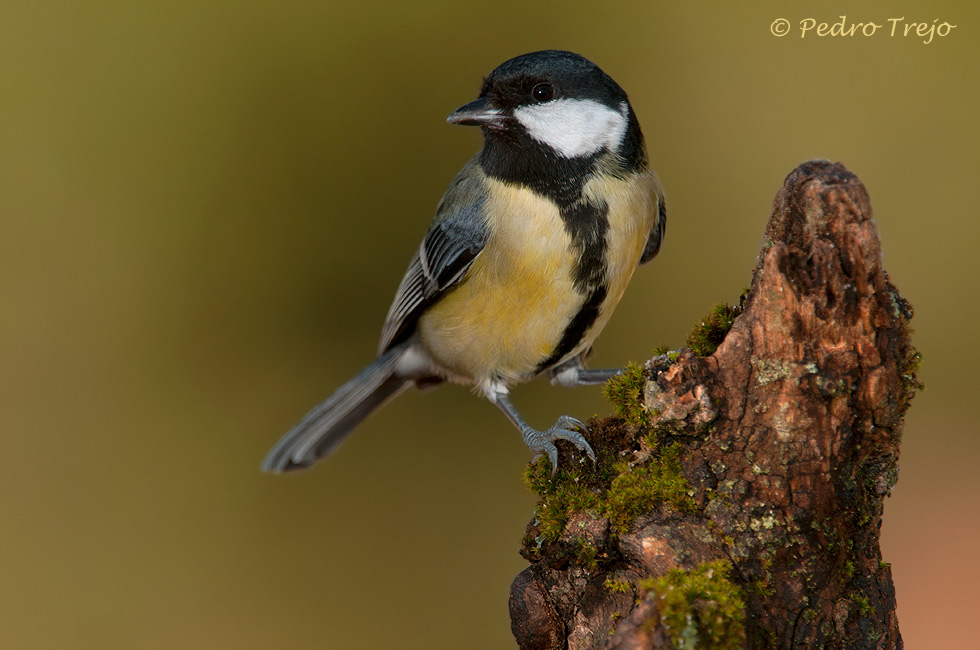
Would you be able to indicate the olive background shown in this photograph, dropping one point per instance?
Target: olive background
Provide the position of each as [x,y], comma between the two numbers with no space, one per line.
[206,207]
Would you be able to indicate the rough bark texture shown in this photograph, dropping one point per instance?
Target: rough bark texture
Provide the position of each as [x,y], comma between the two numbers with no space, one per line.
[786,442]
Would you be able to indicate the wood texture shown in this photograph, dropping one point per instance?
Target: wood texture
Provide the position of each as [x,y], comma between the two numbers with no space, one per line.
[789,441]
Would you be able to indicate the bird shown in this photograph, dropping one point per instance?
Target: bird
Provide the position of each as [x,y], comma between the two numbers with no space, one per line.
[530,250]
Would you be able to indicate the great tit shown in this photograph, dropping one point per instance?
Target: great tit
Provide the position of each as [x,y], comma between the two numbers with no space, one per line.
[531,248]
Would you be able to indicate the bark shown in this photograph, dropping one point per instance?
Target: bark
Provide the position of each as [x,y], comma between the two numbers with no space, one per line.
[786,440]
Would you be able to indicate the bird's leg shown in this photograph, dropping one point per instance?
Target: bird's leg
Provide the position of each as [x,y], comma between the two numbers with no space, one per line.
[543,442]
[573,373]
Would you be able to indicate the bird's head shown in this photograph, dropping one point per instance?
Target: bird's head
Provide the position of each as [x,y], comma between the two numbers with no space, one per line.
[553,99]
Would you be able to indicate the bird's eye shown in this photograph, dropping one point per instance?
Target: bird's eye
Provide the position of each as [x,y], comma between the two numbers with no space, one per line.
[542,93]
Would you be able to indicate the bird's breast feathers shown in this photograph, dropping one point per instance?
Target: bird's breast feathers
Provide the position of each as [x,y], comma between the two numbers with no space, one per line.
[513,305]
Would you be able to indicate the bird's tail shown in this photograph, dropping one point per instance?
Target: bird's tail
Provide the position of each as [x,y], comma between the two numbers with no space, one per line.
[327,425]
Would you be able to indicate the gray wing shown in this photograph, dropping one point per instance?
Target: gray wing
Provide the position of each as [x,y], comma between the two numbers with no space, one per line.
[656,234]
[455,239]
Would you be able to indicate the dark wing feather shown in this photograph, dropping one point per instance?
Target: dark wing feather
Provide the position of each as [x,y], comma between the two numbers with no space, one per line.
[454,240]
[656,234]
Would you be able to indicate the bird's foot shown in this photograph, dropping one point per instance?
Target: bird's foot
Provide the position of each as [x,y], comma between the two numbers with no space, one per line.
[543,442]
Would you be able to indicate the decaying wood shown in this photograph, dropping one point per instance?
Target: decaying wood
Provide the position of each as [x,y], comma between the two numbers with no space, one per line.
[789,438]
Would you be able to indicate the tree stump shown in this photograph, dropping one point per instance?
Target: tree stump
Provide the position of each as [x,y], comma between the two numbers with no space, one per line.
[737,500]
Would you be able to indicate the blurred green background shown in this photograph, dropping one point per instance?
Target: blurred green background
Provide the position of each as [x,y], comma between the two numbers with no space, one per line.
[206,207]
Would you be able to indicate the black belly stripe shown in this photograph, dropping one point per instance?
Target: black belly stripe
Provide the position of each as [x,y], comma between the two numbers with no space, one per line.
[587,224]
[576,329]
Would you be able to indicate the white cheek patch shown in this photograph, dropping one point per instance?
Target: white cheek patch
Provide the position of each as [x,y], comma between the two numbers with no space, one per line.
[575,127]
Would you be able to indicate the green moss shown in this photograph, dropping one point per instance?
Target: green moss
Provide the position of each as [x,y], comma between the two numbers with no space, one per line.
[910,373]
[909,366]
[616,489]
[761,588]
[586,553]
[560,497]
[864,607]
[618,586]
[701,608]
[707,335]
[625,391]
[637,490]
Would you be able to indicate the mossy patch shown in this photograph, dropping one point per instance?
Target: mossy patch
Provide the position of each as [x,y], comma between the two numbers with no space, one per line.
[618,585]
[708,334]
[561,495]
[701,608]
[625,391]
[864,607]
[910,365]
[616,488]
[910,373]
[637,490]
[586,554]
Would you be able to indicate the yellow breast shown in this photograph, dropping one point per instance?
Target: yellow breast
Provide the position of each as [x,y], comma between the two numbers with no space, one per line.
[510,310]
[512,307]
[634,206]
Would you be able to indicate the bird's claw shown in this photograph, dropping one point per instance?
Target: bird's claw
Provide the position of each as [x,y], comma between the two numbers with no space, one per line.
[543,442]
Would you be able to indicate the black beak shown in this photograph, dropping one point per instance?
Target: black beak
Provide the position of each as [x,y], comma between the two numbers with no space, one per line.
[476,113]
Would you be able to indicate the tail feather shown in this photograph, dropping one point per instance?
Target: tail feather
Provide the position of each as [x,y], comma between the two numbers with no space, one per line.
[328,424]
